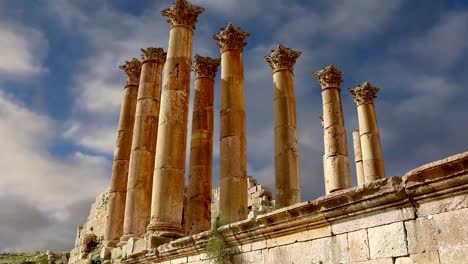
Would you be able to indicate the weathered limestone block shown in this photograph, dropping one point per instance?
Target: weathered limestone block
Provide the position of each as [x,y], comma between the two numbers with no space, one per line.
[454,255]
[358,245]
[376,261]
[387,241]
[423,258]
[447,204]
[116,253]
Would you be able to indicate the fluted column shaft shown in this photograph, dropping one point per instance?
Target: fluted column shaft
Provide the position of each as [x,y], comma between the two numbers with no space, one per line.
[336,160]
[372,157]
[358,158]
[287,178]
[169,171]
[198,213]
[140,178]
[118,186]
[233,142]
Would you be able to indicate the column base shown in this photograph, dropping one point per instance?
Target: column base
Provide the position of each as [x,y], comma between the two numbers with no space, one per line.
[124,239]
[166,230]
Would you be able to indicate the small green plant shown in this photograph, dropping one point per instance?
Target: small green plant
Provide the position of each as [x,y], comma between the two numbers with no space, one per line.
[216,247]
[267,203]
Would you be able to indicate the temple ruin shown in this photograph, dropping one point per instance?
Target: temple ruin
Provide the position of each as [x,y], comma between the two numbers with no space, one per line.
[150,215]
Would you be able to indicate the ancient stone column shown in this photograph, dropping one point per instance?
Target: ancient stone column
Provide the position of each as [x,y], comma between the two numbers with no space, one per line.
[168,184]
[140,177]
[358,158]
[336,165]
[288,189]
[233,143]
[118,186]
[198,213]
[372,158]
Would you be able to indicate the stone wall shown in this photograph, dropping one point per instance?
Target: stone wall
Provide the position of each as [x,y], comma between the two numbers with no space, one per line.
[259,199]
[91,233]
[418,218]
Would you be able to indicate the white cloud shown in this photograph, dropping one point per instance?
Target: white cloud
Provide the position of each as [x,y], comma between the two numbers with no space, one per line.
[32,173]
[21,50]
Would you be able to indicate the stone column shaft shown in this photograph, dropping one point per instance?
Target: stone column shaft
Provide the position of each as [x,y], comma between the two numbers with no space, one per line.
[118,186]
[372,157]
[233,143]
[198,213]
[336,157]
[169,171]
[137,213]
[358,158]
[287,178]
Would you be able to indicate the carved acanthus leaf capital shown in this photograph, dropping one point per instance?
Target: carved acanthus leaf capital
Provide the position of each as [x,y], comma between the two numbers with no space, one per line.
[205,66]
[364,93]
[182,12]
[282,58]
[329,77]
[132,69]
[155,54]
[231,37]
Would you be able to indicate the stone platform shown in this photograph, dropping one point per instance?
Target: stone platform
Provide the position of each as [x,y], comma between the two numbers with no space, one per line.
[418,218]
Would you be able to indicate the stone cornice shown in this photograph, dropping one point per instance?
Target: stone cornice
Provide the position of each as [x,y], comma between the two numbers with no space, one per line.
[364,93]
[183,12]
[132,69]
[282,58]
[231,37]
[153,54]
[205,66]
[329,77]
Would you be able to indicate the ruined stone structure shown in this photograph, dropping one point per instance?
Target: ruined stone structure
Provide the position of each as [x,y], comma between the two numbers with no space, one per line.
[335,160]
[288,190]
[198,212]
[118,186]
[371,149]
[150,215]
[233,144]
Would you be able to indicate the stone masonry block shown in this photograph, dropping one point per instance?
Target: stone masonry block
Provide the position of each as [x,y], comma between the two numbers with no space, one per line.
[382,218]
[387,241]
[358,245]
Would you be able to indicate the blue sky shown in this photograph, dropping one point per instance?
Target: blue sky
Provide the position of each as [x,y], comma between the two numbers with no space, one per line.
[61,89]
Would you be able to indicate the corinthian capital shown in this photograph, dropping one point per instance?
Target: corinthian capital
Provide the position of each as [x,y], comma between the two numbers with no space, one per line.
[132,69]
[364,93]
[329,77]
[205,66]
[182,12]
[154,54]
[231,37]
[282,58]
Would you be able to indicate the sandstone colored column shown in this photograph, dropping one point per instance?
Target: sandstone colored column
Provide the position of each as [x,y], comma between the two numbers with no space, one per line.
[169,171]
[372,158]
[288,189]
[140,178]
[118,186]
[198,213]
[336,165]
[233,143]
[358,158]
